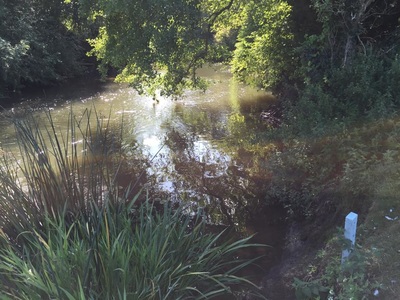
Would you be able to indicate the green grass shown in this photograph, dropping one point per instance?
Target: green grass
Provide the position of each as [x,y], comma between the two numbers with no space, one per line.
[74,227]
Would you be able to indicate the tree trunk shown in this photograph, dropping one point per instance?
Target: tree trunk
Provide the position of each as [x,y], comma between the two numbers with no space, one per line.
[348,50]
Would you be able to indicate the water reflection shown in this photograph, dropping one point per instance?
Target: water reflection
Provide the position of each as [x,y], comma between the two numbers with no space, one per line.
[194,146]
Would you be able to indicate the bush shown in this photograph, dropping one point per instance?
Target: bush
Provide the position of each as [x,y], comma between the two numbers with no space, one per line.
[342,96]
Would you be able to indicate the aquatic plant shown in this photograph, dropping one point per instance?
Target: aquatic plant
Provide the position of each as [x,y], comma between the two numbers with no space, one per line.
[70,231]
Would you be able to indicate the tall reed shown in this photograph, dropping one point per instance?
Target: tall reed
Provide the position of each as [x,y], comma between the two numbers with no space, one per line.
[69,231]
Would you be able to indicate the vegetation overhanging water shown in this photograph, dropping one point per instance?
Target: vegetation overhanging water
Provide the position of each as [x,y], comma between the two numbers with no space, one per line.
[186,150]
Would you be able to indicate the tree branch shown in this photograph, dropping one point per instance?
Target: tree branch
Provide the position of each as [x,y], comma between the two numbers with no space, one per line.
[217,13]
[210,21]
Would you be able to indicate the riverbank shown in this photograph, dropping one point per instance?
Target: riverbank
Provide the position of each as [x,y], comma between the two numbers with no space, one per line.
[87,85]
[214,139]
[373,274]
[320,181]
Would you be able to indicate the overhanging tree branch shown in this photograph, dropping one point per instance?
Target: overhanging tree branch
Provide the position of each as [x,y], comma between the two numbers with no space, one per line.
[209,23]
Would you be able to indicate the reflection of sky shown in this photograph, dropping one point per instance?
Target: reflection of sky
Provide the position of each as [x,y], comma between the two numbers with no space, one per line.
[208,154]
[153,143]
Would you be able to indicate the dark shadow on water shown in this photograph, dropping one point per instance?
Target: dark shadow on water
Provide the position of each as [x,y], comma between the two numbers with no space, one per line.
[72,90]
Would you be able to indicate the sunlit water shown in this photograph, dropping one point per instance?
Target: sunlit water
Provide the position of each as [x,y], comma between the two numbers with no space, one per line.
[192,144]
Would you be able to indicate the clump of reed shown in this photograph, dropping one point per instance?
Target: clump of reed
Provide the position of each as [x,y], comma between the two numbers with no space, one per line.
[70,231]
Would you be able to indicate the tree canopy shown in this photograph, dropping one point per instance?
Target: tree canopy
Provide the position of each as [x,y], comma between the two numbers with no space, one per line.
[162,43]
[36,46]
[156,43]
[301,50]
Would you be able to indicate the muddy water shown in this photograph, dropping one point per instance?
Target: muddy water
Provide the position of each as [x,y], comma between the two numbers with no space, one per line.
[195,147]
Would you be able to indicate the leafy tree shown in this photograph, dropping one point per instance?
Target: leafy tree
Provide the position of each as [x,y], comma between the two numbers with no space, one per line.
[350,26]
[35,45]
[160,44]
[156,43]
[263,54]
[347,70]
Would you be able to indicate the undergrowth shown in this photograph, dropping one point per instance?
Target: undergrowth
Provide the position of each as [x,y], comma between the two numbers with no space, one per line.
[320,180]
[330,278]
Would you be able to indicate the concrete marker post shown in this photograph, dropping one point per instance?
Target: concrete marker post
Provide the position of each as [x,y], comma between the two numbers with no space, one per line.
[350,229]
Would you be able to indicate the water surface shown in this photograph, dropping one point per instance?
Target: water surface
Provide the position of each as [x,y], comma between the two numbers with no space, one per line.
[194,146]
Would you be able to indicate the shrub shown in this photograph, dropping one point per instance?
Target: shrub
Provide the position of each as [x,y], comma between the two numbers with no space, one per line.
[342,96]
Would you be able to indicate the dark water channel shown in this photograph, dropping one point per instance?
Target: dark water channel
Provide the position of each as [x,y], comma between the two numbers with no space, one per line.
[195,148]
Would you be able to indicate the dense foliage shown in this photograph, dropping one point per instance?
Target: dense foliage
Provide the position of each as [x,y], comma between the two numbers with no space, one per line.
[156,44]
[349,70]
[36,45]
[260,57]
[160,45]
[304,51]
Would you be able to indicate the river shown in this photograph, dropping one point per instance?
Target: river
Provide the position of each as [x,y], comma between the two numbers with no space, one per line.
[195,147]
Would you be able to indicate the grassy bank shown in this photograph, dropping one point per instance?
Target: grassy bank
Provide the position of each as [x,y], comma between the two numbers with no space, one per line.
[319,181]
[75,224]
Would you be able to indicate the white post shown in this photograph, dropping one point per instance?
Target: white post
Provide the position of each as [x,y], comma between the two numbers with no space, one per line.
[350,228]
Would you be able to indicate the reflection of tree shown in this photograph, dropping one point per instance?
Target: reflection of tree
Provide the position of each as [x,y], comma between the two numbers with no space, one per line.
[230,189]
[201,122]
[205,176]
[228,199]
